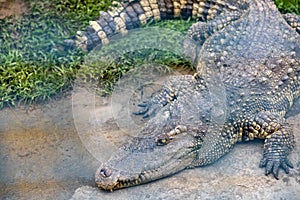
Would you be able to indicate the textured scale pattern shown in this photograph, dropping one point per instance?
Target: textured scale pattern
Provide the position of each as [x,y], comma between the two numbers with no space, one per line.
[293,20]
[256,51]
[125,15]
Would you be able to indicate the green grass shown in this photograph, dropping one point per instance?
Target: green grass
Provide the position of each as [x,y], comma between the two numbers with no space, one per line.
[155,46]
[288,6]
[34,65]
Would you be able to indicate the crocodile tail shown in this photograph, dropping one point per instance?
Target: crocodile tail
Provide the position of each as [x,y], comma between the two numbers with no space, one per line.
[123,16]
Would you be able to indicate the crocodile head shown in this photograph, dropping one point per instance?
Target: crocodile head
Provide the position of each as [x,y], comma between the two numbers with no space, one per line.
[170,142]
[148,158]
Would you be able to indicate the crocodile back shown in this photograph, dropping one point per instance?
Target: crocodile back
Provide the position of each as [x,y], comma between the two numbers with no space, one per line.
[257,56]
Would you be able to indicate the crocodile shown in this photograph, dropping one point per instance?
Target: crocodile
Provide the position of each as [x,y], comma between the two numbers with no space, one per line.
[255,53]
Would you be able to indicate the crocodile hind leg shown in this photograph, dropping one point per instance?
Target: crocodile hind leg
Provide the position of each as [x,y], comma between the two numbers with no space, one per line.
[279,141]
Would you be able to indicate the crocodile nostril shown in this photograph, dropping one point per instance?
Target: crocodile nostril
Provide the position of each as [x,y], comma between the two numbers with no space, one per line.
[105,172]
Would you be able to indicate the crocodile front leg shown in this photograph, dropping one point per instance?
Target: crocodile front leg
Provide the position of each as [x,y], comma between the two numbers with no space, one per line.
[279,141]
[170,91]
[276,149]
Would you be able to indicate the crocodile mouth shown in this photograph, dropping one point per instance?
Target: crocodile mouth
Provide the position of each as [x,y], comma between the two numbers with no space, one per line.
[138,163]
[118,184]
[126,183]
[110,179]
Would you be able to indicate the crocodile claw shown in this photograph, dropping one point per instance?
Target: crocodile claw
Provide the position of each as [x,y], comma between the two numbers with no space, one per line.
[145,107]
[273,163]
[148,109]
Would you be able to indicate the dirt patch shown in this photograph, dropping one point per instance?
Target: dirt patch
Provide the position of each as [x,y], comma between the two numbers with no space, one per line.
[11,7]
[42,156]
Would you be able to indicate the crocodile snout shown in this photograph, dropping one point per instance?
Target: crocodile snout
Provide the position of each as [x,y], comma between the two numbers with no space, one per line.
[105,172]
[107,178]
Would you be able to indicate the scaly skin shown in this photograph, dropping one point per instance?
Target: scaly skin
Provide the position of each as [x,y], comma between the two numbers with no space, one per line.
[256,54]
[293,20]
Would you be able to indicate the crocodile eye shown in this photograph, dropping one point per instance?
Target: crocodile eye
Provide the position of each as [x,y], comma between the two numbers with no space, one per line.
[162,141]
[105,172]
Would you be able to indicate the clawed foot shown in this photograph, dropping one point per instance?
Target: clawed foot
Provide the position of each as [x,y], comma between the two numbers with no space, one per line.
[147,109]
[273,161]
